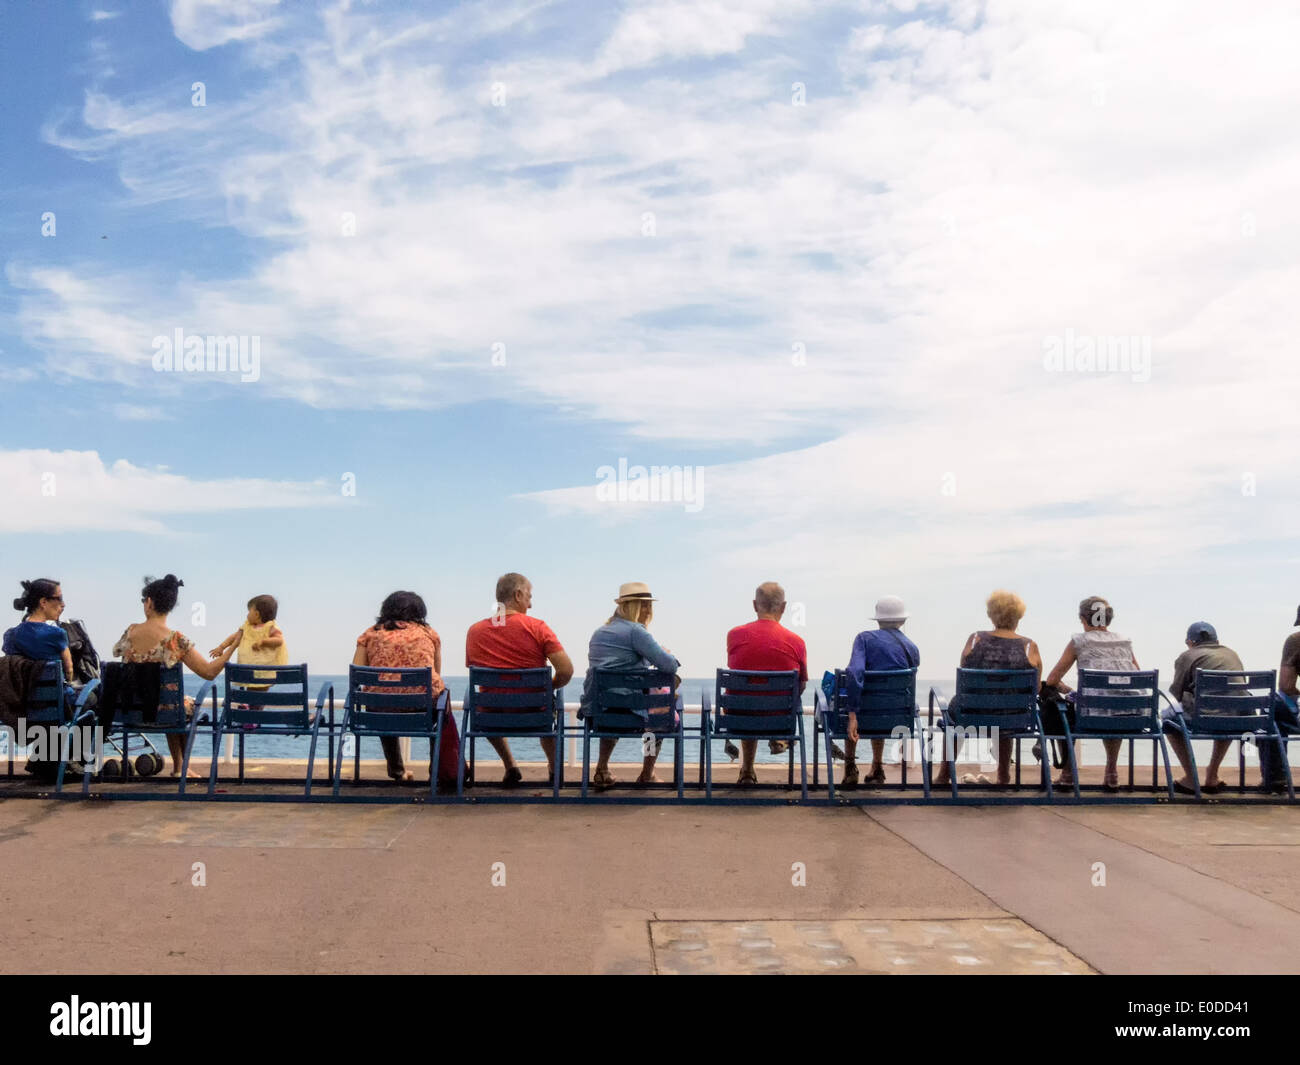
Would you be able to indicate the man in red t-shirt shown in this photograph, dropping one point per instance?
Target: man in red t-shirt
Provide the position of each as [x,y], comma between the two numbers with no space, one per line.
[510,639]
[765,644]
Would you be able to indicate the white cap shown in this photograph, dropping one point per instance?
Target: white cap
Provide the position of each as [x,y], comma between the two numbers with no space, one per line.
[890,608]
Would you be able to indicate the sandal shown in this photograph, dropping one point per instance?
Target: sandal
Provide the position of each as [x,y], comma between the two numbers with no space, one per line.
[513,777]
[1215,788]
[602,779]
[1184,789]
[876,776]
[849,776]
[1110,782]
[747,777]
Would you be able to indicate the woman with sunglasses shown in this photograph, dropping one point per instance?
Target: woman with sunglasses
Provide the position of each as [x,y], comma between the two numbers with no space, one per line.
[39,635]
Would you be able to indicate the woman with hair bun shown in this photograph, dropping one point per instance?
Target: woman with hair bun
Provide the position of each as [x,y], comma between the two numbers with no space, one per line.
[38,635]
[154,641]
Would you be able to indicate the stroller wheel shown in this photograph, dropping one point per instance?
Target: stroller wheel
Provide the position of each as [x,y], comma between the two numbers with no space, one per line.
[148,764]
[111,768]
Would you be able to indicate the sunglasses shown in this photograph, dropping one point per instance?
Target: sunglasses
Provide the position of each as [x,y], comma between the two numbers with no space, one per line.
[53,598]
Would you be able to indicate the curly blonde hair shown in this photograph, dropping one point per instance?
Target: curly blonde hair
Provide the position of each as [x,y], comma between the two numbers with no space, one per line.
[1005,609]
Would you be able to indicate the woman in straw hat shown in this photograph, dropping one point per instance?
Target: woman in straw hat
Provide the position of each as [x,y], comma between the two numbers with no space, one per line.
[623,642]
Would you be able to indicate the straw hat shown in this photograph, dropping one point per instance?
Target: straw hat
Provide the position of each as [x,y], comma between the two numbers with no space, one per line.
[635,590]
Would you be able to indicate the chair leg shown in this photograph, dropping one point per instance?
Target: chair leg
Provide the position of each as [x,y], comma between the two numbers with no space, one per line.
[803,764]
[586,754]
[1159,739]
[1196,772]
[830,764]
[817,739]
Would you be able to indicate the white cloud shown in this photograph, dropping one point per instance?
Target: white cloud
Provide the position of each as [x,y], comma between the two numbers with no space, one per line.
[957,189]
[67,491]
[204,24]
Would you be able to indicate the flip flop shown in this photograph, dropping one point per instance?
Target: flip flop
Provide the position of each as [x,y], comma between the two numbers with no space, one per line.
[513,777]
[1183,789]
[1214,789]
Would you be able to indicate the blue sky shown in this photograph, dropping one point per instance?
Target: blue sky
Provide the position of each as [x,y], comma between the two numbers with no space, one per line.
[816,251]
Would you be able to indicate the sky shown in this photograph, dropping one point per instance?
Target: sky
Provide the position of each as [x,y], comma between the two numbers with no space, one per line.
[923,299]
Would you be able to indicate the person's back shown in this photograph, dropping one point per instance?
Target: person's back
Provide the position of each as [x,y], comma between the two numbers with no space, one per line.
[1208,655]
[998,652]
[512,641]
[1102,649]
[766,645]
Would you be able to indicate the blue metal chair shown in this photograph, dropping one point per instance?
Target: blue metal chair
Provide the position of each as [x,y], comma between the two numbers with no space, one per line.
[755,705]
[987,699]
[512,704]
[47,708]
[128,716]
[250,707]
[1231,705]
[625,703]
[886,709]
[373,708]
[1118,705]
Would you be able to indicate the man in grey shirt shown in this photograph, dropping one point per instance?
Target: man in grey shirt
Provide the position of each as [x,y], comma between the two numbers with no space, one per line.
[1203,652]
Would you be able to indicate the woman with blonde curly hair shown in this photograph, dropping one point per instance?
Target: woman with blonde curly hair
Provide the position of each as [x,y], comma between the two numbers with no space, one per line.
[998,648]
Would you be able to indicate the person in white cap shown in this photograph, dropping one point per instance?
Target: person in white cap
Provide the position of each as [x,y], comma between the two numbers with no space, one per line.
[623,642]
[885,647]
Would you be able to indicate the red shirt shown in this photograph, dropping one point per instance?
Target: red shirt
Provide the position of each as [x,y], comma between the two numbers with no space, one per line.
[516,641]
[766,645]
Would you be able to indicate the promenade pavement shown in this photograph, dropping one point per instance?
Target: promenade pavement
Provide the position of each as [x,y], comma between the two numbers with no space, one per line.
[167,887]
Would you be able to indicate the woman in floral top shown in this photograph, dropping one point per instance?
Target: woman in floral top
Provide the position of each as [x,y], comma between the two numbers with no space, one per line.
[153,641]
[401,637]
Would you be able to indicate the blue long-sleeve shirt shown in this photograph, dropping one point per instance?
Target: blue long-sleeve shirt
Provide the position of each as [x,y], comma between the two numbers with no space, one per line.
[623,644]
[879,649]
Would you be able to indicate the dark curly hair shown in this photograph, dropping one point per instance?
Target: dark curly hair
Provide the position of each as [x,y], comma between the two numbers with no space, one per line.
[401,606]
[34,592]
[164,592]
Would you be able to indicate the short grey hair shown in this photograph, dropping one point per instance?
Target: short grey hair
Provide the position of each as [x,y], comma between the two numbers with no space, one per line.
[769,597]
[508,585]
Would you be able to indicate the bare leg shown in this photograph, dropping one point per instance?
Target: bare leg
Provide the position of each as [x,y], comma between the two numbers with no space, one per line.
[548,749]
[1112,760]
[1216,759]
[1178,743]
[607,746]
[648,766]
[748,748]
[502,747]
[950,736]
[877,755]
[850,752]
[1004,759]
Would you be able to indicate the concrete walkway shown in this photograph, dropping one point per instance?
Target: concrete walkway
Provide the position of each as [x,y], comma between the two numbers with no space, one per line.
[191,887]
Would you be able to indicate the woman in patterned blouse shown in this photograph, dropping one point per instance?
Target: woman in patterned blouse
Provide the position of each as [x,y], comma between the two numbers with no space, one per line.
[152,640]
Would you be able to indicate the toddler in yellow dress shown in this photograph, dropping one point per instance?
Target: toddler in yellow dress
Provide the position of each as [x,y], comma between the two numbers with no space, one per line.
[260,641]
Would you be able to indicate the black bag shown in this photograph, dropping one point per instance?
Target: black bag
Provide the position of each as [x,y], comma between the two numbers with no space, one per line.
[85,659]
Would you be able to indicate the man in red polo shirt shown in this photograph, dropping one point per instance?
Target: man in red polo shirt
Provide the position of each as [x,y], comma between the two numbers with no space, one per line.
[510,639]
[765,644]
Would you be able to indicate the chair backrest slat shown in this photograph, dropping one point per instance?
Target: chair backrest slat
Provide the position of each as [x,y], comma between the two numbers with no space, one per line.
[248,700]
[1118,701]
[757,702]
[382,702]
[1005,698]
[517,702]
[1230,701]
[629,700]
